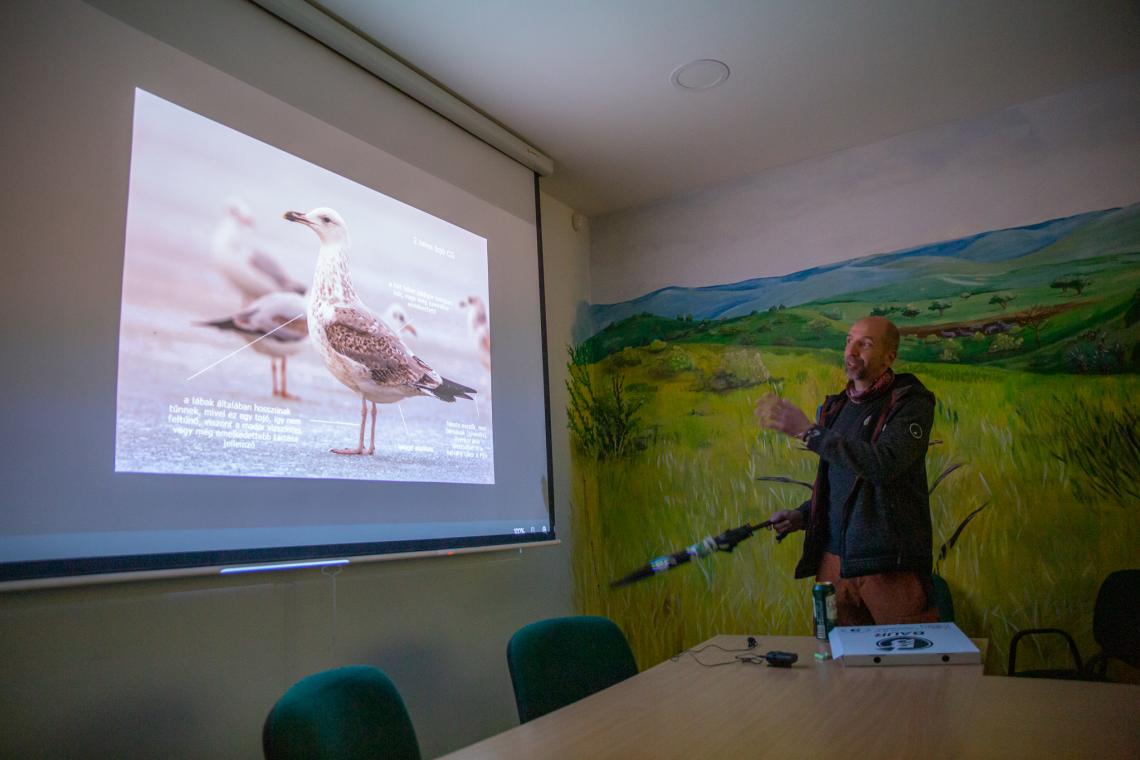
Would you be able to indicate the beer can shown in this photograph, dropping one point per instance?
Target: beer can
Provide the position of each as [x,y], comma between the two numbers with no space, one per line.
[823,604]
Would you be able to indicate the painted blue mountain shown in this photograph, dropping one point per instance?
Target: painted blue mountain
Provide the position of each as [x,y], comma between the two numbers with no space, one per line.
[965,255]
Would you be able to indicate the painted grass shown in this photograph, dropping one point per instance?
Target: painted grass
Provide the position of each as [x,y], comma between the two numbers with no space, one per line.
[1034,557]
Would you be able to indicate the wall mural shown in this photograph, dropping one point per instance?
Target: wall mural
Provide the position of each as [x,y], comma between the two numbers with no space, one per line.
[1029,337]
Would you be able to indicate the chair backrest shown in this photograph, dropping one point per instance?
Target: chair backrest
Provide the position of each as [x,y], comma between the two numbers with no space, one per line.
[1116,616]
[345,713]
[558,661]
[942,599]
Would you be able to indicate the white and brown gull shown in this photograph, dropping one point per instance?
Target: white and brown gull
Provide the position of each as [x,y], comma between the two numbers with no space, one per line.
[357,347]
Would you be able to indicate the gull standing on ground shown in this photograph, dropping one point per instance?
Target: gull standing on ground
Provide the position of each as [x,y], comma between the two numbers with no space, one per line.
[273,325]
[357,347]
[253,272]
[479,327]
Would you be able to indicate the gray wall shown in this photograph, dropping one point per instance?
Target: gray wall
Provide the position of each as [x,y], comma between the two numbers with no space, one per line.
[190,667]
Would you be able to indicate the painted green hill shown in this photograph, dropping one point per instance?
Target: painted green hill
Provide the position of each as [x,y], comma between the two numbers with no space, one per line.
[1060,308]
[1017,320]
[969,261]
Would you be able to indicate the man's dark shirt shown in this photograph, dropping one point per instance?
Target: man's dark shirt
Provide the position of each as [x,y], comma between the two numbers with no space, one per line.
[841,479]
[873,478]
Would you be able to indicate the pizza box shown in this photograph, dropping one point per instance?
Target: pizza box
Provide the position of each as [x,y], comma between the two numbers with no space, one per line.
[917,644]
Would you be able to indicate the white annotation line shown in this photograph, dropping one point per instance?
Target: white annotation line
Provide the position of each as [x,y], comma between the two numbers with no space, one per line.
[247,345]
[332,422]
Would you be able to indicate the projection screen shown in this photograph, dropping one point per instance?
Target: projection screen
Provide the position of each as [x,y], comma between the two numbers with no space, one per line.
[274,313]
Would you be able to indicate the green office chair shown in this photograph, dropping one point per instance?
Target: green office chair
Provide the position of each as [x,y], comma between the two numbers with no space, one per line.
[558,661]
[942,599]
[347,713]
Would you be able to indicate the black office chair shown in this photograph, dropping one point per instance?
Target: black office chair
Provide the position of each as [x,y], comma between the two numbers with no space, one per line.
[1116,629]
[943,600]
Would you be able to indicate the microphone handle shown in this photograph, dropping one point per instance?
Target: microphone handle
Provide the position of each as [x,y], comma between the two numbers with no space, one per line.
[636,575]
[724,542]
[702,548]
[728,540]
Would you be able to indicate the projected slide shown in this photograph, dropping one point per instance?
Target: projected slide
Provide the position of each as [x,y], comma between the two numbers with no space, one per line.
[279,320]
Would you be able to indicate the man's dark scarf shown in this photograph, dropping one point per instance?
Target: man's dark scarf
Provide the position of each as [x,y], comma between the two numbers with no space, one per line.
[872,392]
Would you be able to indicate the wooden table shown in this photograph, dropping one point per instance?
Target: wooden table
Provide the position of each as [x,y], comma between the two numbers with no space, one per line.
[822,709]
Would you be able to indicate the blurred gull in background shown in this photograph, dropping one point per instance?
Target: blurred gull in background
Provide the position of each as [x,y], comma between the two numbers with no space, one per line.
[252,271]
[398,320]
[273,325]
[479,327]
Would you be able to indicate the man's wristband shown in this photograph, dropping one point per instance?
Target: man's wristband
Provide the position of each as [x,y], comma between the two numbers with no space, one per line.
[815,431]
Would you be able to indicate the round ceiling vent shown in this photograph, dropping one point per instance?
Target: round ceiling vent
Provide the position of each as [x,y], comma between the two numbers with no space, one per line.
[703,74]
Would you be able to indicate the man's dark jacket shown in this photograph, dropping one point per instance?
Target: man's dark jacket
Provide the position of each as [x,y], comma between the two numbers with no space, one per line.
[886,516]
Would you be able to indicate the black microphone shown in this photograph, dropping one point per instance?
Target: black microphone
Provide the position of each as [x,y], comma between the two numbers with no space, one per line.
[725,542]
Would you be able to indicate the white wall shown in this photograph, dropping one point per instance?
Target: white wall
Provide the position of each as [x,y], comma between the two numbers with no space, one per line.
[566,253]
[1068,153]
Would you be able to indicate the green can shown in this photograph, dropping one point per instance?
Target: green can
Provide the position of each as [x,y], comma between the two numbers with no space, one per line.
[823,604]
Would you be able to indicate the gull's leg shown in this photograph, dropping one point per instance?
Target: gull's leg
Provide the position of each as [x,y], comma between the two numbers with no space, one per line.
[372,442]
[363,418]
[284,392]
[273,365]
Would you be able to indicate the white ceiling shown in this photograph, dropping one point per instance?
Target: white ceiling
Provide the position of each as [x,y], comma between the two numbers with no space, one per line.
[587,81]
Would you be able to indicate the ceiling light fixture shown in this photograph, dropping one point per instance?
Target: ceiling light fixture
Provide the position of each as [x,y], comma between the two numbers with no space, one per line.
[702,74]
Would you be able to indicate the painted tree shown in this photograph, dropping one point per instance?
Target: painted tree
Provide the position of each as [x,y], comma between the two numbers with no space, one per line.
[883,311]
[910,311]
[1003,299]
[1062,284]
[1005,342]
[739,368]
[819,326]
[939,306]
[1074,281]
[1034,317]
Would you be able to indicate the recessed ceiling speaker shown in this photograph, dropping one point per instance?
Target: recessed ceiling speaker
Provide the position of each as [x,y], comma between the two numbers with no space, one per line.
[702,74]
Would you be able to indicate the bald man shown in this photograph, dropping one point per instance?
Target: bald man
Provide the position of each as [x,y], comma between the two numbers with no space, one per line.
[868,521]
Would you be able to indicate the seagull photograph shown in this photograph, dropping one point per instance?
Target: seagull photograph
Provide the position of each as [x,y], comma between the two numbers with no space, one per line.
[369,352]
[358,349]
